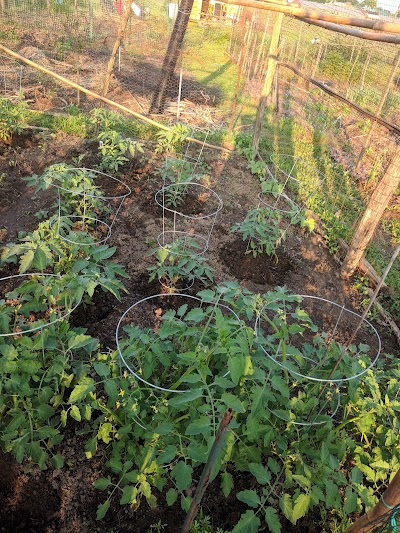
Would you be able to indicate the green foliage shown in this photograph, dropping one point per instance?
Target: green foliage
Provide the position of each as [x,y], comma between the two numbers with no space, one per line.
[172,140]
[262,231]
[13,118]
[180,263]
[39,377]
[176,174]
[114,148]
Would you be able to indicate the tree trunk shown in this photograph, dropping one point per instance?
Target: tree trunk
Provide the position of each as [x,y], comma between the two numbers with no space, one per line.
[269,78]
[379,514]
[377,204]
[171,56]
[117,44]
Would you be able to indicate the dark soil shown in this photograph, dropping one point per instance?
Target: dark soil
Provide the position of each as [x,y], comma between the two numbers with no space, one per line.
[64,501]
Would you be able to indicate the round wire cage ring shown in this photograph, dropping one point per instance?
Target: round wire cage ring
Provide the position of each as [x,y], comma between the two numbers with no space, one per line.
[149,310]
[12,307]
[97,204]
[317,339]
[189,200]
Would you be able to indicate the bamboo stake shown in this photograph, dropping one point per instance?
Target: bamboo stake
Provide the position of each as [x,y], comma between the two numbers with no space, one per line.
[205,476]
[111,103]
[375,294]
[117,44]
[340,28]
[315,14]
[390,127]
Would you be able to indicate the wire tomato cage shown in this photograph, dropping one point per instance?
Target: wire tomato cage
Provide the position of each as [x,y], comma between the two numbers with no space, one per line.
[90,205]
[317,339]
[40,301]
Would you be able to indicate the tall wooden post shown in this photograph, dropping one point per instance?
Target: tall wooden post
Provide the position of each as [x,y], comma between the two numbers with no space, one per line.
[269,78]
[117,44]
[171,55]
[377,204]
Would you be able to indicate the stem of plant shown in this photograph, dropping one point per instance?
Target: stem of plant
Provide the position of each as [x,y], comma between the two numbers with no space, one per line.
[205,476]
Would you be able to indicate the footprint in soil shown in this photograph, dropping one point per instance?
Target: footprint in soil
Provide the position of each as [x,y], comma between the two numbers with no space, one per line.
[262,269]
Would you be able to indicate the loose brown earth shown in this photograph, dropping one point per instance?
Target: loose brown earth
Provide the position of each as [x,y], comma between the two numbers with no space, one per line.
[64,500]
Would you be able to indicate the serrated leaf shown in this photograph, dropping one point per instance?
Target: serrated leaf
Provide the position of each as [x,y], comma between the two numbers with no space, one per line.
[26,261]
[171,496]
[102,483]
[129,494]
[332,494]
[75,413]
[102,510]
[249,497]
[199,426]
[260,472]
[78,341]
[230,400]
[280,385]
[81,390]
[226,483]
[272,519]
[248,523]
[185,397]
[301,506]
[236,368]
[182,473]
[58,461]
[350,504]
[285,503]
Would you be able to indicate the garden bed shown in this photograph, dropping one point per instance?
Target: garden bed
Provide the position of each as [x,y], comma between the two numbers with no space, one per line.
[64,500]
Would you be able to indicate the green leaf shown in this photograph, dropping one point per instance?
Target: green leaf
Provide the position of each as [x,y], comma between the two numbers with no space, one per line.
[195,315]
[45,411]
[90,448]
[356,475]
[75,413]
[165,428]
[199,426]
[185,397]
[102,483]
[260,472]
[40,259]
[81,390]
[26,261]
[79,341]
[129,494]
[236,368]
[301,506]
[248,523]
[350,504]
[332,494]
[102,510]
[285,503]
[230,400]
[272,519]
[171,497]
[102,369]
[226,483]
[182,473]
[249,497]
[279,384]
[58,461]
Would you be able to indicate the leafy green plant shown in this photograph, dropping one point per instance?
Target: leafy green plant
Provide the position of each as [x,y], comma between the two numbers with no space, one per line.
[178,263]
[170,141]
[79,195]
[83,268]
[176,174]
[262,231]
[114,148]
[13,118]
[42,383]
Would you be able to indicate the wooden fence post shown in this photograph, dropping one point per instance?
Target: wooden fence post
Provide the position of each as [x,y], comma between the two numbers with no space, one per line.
[117,44]
[269,78]
[377,204]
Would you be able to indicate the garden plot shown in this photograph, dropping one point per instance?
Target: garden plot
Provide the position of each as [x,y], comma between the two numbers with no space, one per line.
[122,463]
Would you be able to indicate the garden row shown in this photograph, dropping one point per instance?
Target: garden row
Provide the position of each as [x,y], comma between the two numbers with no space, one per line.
[313,426]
